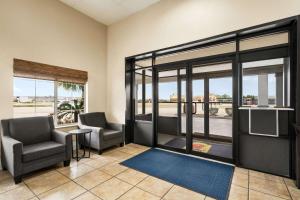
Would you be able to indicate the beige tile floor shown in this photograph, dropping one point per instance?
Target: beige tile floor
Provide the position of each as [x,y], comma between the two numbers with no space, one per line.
[101,177]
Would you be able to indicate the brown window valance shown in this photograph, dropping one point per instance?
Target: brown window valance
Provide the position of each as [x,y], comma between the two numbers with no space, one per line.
[28,69]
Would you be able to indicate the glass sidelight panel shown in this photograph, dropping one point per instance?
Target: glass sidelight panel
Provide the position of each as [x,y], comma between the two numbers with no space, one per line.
[143,94]
[220,107]
[138,91]
[198,106]
[171,121]
[148,91]
[167,93]
[183,102]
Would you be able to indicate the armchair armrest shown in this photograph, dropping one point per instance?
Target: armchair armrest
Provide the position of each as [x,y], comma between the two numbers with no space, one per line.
[96,134]
[12,152]
[63,138]
[93,128]
[115,126]
[118,127]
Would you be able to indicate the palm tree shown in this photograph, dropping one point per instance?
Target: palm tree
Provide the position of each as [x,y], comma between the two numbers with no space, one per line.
[71,87]
[71,110]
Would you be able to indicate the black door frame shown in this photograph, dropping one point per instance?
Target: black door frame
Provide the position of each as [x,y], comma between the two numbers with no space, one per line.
[179,102]
[188,65]
[290,24]
[207,103]
[229,58]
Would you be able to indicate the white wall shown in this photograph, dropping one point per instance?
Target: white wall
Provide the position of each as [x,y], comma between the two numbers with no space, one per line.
[50,32]
[172,22]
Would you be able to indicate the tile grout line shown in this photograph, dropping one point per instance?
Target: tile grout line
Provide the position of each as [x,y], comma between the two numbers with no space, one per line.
[115,176]
[124,193]
[112,176]
[35,195]
[104,181]
[85,193]
[168,191]
[18,186]
[72,180]
[99,169]
[117,161]
[264,191]
[268,179]
[151,192]
[94,169]
[248,184]
[99,184]
[108,180]
[9,190]
[89,173]
[277,196]
[132,185]
[287,189]
[136,185]
[79,186]
[54,188]
[265,179]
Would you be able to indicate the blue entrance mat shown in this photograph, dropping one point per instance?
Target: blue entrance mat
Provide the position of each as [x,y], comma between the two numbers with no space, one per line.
[206,177]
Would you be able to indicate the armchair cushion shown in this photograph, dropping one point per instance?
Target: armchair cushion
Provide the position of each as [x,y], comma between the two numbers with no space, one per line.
[111,134]
[96,119]
[41,150]
[30,130]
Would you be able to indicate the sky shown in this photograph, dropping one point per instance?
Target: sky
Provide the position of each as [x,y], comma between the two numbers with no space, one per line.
[26,87]
[218,86]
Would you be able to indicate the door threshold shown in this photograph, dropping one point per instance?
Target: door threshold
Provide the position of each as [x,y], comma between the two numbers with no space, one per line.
[195,156]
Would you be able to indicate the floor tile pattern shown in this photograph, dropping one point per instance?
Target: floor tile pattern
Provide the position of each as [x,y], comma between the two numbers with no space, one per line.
[101,177]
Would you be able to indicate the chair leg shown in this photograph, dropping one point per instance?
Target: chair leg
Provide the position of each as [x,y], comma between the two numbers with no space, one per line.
[121,144]
[100,152]
[18,179]
[3,166]
[66,163]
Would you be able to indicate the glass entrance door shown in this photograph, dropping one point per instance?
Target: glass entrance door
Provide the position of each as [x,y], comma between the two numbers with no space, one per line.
[171,121]
[212,109]
[201,124]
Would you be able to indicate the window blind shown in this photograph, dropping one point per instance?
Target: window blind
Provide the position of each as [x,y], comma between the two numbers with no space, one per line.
[29,69]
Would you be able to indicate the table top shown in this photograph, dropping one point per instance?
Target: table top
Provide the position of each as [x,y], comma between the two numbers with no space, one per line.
[80,131]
